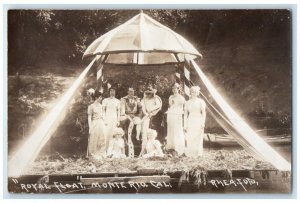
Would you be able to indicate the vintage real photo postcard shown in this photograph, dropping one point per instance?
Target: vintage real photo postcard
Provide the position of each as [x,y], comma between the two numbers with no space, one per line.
[149,101]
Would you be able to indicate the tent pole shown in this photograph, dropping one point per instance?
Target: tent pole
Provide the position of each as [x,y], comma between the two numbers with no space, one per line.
[176,56]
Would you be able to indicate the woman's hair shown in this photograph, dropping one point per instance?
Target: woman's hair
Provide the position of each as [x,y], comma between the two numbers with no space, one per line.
[149,93]
[150,89]
[96,95]
[176,85]
[195,89]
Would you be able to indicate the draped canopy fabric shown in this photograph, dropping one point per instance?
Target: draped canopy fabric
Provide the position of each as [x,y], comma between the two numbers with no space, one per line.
[142,40]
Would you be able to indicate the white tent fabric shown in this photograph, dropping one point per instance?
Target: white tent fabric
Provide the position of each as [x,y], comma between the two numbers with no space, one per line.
[28,152]
[240,130]
[142,40]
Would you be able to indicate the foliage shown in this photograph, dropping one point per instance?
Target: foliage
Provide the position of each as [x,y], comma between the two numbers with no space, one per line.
[193,169]
[63,35]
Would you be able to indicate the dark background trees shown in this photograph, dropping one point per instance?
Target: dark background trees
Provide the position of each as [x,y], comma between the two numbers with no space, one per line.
[63,35]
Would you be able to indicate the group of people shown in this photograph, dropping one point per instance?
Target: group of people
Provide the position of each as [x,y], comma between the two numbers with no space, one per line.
[110,119]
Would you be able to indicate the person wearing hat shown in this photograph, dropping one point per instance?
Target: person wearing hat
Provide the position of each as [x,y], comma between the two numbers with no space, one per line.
[151,104]
[194,122]
[90,92]
[111,108]
[97,135]
[175,133]
[116,147]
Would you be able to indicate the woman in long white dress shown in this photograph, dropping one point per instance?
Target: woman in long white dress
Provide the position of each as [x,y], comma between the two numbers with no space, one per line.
[175,134]
[195,115]
[111,108]
[97,135]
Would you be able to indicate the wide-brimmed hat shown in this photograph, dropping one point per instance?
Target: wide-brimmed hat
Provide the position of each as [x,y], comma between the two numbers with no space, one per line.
[90,92]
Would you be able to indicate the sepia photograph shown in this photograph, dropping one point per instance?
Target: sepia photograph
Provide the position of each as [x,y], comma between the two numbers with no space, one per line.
[158,101]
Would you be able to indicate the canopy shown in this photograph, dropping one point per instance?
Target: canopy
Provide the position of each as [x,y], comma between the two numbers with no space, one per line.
[142,40]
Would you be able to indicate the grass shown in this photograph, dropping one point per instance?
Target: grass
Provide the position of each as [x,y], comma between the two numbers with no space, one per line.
[211,160]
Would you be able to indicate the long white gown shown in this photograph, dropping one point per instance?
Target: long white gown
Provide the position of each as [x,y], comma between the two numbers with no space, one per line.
[97,137]
[175,134]
[195,127]
[111,108]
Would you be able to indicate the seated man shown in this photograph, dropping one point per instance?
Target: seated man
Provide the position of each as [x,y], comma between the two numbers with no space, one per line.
[130,106]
